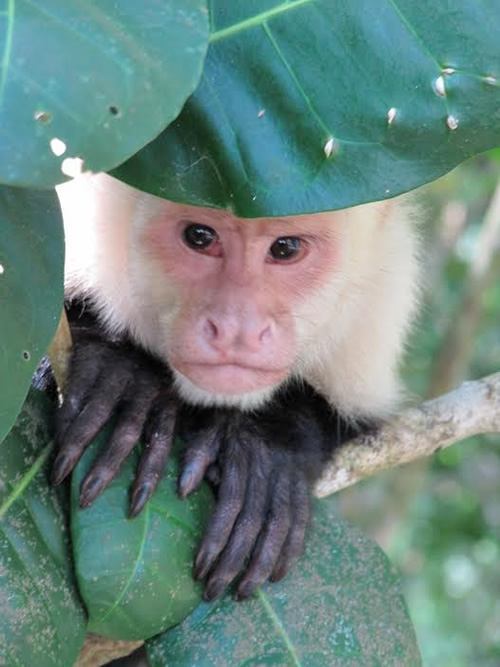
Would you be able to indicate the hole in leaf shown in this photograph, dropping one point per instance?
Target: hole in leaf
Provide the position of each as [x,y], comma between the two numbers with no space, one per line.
[114,111]
[26,355]
[42,117]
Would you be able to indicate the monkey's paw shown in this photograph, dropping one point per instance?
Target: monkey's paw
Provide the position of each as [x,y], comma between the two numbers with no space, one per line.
[115,380]
[262,508]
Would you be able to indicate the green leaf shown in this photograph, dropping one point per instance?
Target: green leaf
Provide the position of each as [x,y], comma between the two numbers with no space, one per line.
[31,290]
[341,606]
[312,105]
[104,78]
[42,622]
[135,575]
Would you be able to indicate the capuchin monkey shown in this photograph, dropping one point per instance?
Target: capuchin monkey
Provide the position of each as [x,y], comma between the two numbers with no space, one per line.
[266,343]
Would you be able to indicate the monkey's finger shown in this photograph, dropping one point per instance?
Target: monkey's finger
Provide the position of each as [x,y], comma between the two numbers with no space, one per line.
[154,457]
[246,529]
[86,363]
[88,424]
[229,503]
[199,455]
[125,436]
[294,544]
[271,539]
[213,474]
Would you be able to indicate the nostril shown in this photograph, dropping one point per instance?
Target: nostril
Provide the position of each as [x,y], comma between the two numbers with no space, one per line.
[211,330]
[265,335]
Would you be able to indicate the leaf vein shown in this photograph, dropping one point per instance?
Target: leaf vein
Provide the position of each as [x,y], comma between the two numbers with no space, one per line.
[275,620]
[258,20]
[137,562]
[25,480]
[8,45]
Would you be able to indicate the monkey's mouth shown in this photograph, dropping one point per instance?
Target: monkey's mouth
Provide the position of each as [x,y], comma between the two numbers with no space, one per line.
[230,379]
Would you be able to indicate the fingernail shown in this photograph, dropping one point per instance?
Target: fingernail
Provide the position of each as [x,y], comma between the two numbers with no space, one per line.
[245,590]
[90,489]
[201,565]
[186,482]
[278,574]
[214,589]
[140,496]
[60,469]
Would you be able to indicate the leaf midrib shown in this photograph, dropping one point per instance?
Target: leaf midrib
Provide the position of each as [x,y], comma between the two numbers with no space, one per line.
[257,20]
[138,560]
[4,65]
[26,479]
[276,621]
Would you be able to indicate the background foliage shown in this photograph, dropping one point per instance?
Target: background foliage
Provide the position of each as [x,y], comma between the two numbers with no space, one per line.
[439,520]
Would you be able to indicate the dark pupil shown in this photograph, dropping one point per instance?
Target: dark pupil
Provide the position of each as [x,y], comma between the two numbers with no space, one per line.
[199,236]
[285,247]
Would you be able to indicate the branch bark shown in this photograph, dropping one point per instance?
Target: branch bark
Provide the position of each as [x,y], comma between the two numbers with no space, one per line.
[59,351]
[471,409]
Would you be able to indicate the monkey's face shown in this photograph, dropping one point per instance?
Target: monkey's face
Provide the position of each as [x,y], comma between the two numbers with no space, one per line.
[232,291]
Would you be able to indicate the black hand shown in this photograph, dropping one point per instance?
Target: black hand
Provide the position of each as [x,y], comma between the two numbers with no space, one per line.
[264,464]
[114,379]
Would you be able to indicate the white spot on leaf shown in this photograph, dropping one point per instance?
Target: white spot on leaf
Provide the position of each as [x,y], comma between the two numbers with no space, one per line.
[72,166]
[2,269]
[57,146]
[490,80]
[439,86]
[452,122]
[329,147]
[261,113]
[391,115]
[449,70]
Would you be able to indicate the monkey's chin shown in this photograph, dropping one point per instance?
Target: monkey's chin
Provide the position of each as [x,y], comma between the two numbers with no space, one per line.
[244,400]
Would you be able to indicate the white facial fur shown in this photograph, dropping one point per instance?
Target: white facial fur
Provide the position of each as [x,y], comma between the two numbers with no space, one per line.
[350,333]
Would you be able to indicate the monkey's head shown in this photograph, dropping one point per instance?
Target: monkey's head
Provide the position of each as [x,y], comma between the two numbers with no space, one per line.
[228,294]
[237,306]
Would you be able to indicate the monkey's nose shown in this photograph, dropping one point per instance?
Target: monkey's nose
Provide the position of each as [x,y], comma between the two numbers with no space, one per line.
[228,335]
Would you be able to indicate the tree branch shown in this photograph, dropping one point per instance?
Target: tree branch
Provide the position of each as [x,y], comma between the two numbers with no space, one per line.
[471,409]
[59,351]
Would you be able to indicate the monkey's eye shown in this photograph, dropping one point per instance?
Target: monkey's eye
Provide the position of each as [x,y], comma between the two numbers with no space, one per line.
[286,248]
[199,237]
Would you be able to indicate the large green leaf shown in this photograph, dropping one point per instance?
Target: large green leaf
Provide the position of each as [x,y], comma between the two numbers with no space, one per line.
[135,575]
[31,289]
[341,606]
[42,623]
[311,105]
[104,78]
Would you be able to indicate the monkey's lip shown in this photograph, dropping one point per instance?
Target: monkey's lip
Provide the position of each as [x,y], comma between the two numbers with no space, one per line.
[232,378]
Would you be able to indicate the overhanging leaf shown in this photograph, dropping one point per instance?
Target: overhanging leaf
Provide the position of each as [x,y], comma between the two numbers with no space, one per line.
[135,575]
[99,78]
[31,290]
[313,105]
[42,622]
[341,606]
